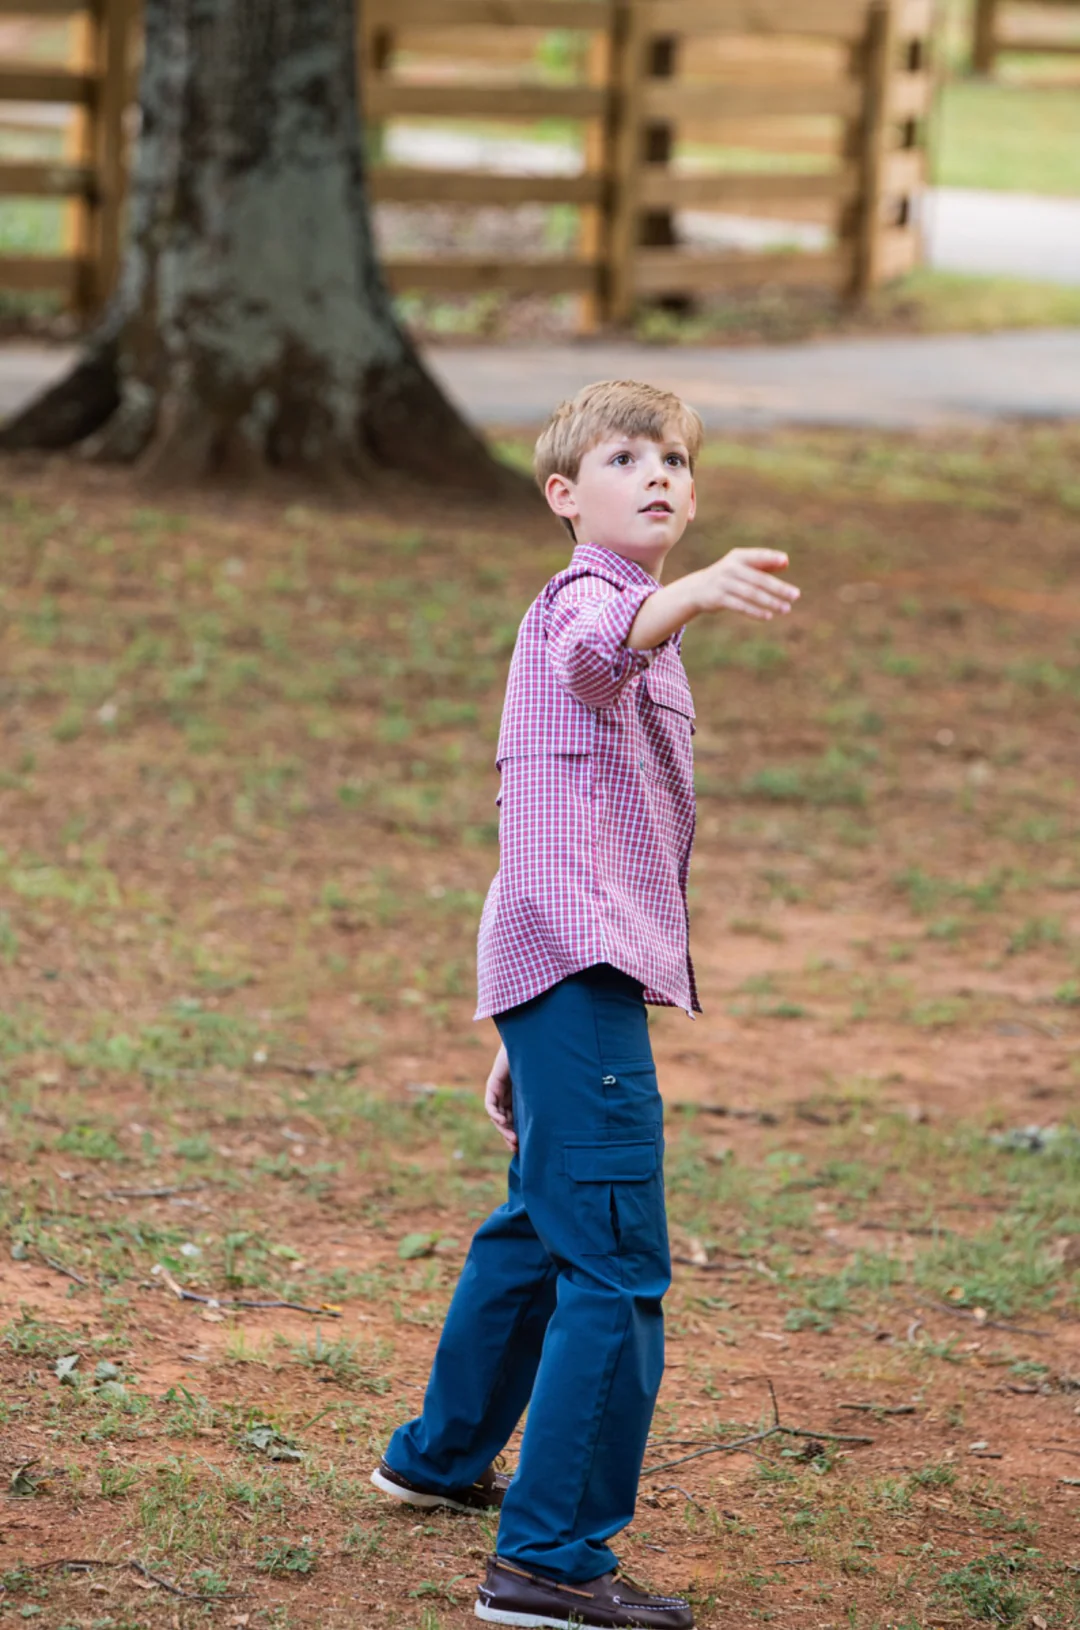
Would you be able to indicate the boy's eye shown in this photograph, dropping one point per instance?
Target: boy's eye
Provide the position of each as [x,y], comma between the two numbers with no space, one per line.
[621,458]
[675,458]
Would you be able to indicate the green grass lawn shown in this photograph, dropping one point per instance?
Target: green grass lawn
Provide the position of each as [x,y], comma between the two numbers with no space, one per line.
[1009,137]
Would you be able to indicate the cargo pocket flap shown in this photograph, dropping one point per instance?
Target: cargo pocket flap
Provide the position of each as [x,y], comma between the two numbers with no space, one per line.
[611,1162]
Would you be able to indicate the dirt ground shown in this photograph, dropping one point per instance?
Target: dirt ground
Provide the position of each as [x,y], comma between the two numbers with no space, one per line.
[246,823]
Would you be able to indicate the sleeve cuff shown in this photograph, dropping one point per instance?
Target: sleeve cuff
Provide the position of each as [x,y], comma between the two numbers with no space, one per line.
[615,622]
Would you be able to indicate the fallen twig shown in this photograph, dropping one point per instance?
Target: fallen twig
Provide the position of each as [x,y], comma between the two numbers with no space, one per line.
[712,1267]
[796,1562]
[881,1409]
[669,1488]
[283,1067]
[904,1228]
[326,1310]
[69,1273]
[87,1564]
[162,1193]
[765,1116]
[991,1324]
[775,1430]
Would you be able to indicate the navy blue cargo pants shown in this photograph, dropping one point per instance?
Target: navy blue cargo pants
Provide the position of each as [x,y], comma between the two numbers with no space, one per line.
[558,1305]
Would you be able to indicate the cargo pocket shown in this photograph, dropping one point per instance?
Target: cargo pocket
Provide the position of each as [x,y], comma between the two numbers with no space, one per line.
[617,1196]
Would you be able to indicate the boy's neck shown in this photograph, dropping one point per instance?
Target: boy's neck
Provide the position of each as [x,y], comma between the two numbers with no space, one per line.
[649,559]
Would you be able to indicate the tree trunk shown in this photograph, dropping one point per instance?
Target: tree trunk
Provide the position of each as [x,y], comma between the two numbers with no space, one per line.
[251,326]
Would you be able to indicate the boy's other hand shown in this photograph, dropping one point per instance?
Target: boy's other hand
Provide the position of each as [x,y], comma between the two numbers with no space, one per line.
[499,1100]
[742,581]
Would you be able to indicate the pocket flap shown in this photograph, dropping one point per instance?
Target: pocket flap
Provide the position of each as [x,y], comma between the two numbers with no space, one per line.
[667,687]
[611,1162]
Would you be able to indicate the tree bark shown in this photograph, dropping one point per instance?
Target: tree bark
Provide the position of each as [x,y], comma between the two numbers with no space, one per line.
[251,327]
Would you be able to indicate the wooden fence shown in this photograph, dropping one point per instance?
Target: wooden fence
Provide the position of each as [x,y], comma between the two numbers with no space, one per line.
[1048,27]
[667,111]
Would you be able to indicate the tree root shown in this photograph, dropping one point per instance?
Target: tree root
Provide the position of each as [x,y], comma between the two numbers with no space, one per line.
[72,409]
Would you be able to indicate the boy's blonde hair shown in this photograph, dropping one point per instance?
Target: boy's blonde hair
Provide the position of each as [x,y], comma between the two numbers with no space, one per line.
[612,407]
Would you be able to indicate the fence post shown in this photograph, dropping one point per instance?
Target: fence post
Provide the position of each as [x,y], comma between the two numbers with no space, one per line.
[113,20]
[984,45]
[79,148]
[593,230]
[879,70]
[624,154]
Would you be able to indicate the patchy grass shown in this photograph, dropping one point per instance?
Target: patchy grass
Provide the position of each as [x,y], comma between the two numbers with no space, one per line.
[1009,137]
[247,825]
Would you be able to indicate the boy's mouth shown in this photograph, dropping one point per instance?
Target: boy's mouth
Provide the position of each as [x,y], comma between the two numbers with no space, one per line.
[658,507]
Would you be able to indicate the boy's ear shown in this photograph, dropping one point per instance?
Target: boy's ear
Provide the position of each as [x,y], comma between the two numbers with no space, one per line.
[692,511]
[561,497]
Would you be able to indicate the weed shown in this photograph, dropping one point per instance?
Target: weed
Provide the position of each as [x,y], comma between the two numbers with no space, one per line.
[281,1557]
[987,1588]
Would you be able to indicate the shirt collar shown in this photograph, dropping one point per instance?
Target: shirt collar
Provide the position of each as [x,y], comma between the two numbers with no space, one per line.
[612,567]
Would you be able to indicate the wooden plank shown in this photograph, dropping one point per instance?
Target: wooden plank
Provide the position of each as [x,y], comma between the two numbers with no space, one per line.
[715,191]
[592,222]
[38,9]
[34,274]
[386,99]
[494,47]
[764,135]
[916,19]
[545,14]
[911,96]
[1040,47]
[477,276]
[42,179]
[77,240]
[622,247]
[33,82]
[401,184]
[831,19]
[984,46]
[667,271]
[879,82]
[115,18]
[900,252]
[905,171]
[679,100]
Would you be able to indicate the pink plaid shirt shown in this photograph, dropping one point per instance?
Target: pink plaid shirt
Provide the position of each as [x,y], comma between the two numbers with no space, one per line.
[597,799]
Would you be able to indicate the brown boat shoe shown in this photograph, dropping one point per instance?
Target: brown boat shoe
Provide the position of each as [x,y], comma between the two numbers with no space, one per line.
[510,1595]
[486,1494]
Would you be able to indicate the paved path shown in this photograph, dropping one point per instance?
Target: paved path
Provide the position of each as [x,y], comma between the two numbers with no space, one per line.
[886,383]
[1010,234]
[882,383]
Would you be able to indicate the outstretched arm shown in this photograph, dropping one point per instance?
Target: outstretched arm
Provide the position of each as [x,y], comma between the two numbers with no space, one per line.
[741,581]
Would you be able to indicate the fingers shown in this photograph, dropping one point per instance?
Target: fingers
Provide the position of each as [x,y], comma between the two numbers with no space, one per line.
[499,1100]
[745,584]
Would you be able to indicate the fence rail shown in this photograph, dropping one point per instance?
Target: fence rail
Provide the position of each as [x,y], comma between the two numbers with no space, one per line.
[680,108]
[1038,27]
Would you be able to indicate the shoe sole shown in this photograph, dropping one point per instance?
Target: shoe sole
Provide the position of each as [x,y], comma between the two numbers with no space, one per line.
[426,1502]
[499,1615]
[529,1621]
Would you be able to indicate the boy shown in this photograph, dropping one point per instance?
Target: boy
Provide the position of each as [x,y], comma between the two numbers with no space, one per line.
[558,1306]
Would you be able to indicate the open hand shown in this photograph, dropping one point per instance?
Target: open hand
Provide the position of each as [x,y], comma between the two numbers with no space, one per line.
[742,581]
[499,1100]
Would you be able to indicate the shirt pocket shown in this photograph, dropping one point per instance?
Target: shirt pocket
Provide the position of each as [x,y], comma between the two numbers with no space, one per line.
[617,1197]
[559,735]
[668,689]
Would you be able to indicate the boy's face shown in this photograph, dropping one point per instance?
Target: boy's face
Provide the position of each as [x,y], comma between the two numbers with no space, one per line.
[632,494]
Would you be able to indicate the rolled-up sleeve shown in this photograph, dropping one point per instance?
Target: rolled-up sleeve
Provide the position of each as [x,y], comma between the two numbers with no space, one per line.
[586,625]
